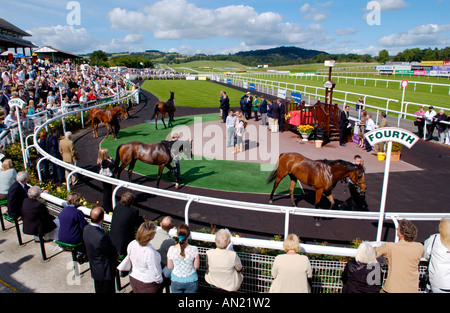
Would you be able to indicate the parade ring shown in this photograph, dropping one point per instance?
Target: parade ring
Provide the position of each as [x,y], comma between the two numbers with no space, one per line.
[406,191]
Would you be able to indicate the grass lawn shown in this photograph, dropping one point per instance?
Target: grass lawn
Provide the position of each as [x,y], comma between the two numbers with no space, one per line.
[210,174]
[192,93]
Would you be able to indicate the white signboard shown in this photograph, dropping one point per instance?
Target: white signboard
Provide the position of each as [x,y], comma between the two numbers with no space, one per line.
[281,93]
[399,135]
[18,102]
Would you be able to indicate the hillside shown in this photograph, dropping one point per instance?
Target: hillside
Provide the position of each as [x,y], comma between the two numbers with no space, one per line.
[279,55]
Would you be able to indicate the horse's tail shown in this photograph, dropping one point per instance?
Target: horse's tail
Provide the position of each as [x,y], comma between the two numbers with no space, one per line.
[274,173]
[117,159]
[89,120]
[155,111]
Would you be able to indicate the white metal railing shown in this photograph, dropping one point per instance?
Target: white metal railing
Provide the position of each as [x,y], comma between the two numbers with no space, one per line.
[263,208]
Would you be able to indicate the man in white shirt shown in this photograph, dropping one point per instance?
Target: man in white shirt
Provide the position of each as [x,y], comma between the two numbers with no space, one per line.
[429,122]
[370,125]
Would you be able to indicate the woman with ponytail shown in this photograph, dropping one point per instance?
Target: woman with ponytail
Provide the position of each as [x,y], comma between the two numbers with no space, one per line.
[183,259]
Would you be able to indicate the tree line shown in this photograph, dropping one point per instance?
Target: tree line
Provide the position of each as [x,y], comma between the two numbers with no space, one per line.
[273,57]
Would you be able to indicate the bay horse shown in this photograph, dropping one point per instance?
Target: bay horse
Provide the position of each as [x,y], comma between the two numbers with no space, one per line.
[158,153]
[107,116]
[163,108]
[322,175]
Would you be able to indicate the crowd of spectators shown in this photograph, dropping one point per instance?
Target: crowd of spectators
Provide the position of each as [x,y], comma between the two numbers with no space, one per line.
[54,87]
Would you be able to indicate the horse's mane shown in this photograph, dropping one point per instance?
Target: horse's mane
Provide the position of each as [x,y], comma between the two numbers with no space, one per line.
[348,165]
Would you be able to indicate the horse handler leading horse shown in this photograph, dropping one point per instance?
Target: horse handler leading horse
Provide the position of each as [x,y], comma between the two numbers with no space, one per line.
[322,175]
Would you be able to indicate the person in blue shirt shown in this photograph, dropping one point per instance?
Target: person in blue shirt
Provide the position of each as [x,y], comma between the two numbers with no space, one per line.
[72,223]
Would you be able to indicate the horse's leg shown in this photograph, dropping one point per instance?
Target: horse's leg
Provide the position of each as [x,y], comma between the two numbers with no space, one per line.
[292,187]
[275,185]
[160,169]
[162,118]
[156,119]
[130,168]
[330,198]
[319,193]
[107,130]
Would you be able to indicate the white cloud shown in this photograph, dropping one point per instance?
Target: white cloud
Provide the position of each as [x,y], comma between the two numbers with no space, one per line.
[391,5]
[317,13]
[346,31]
[180,20]
[68,38]
[424,35]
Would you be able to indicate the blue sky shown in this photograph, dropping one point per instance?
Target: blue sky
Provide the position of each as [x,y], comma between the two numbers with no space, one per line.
[229,26]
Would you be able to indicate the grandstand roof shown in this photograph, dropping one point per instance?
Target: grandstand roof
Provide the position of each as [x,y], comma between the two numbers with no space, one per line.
[49,51]
[11,36]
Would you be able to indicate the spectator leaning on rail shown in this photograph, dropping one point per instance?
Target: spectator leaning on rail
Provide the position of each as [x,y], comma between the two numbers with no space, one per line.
[224,265]
[184,260]
[162,242]
[441,127]
[125,222]
[291,271]
[429,122]
[437,252]
[363,274]
[403,258]
[420,122]
[71,225]
[146,272]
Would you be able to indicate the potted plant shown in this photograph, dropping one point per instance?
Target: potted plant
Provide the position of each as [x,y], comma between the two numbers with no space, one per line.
[396,151]
[305,131]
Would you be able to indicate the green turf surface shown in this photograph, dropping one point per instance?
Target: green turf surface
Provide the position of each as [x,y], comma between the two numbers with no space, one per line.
[189,93]
[205,173]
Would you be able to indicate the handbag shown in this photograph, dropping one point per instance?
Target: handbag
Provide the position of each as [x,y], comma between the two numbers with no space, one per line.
[125,265]
[106,171]
[424,280]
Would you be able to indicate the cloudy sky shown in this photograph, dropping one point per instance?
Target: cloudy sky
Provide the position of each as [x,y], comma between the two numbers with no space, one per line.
[229,26]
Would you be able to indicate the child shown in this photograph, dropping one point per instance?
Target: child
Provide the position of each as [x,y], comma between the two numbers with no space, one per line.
[230,122]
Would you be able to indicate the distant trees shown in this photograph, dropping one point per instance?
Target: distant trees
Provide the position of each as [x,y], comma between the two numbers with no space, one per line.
[131,61]
[98,58]
[383,56]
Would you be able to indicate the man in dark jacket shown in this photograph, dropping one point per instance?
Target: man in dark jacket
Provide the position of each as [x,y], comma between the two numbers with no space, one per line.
[16,194]
[35,216]
[224,105]
[125,222]
[274,112]
[4,101]
[101,253]
[343,123]
[53,150]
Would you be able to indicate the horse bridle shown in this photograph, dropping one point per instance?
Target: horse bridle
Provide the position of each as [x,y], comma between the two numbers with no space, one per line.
[356,183]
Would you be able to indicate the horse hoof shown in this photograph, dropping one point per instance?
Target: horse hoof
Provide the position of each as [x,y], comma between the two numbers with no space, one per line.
[176,186]
[270,201]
